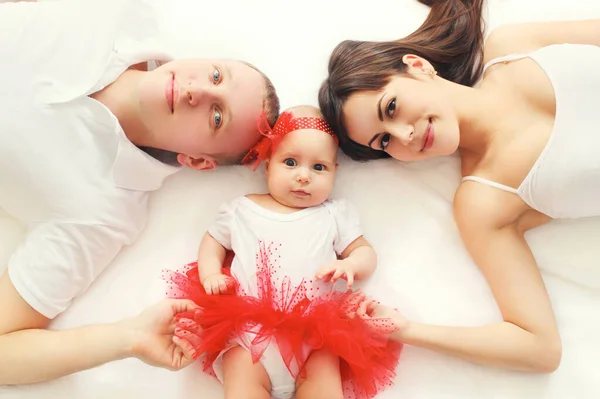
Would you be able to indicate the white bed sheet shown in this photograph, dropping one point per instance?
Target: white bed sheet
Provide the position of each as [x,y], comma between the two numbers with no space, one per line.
[406,211]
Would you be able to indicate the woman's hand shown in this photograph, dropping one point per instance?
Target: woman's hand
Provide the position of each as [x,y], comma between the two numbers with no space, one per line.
[384,319]
[374,311]
[158,339]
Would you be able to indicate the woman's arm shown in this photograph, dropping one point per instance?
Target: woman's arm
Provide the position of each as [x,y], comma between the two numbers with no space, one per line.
[528,338]
[525,37]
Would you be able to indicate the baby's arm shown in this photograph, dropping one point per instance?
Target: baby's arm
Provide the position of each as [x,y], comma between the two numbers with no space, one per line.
[357,262]
[210,264]
[361,257]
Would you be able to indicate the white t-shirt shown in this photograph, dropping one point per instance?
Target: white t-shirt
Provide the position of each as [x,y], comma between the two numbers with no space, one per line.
[297,245]
[67,170]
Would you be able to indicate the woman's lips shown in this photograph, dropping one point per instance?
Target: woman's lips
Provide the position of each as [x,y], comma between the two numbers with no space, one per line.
[428,137]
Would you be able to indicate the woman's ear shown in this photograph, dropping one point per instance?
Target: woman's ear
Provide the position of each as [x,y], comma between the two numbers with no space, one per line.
[417,64]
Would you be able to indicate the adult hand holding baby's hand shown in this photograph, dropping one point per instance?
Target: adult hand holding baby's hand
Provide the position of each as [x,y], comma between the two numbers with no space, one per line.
[153,336]
[218,284]
[337,269]
[368,309]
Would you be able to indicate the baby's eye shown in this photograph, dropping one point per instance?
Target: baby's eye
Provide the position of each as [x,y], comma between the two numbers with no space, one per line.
[217,118]
[216,76]
[290,162]
[319,167]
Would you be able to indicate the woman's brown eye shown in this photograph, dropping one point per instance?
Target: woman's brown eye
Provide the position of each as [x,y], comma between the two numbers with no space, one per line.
[385,140]
[391,108]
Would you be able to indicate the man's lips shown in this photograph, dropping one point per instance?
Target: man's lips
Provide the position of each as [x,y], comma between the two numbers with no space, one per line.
[169,92]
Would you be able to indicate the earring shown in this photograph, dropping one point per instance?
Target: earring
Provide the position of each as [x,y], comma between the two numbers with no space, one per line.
[433,72]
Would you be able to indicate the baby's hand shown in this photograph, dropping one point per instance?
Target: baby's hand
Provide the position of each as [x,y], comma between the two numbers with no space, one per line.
[218,283]
[335,270]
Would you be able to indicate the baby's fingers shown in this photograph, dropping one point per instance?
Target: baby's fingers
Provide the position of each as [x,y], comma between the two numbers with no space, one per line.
[194,339]
[186,348]
[208,287]
[189,325]
[363,309]
[350,279]
[338,273]
[222,282]
[325,273]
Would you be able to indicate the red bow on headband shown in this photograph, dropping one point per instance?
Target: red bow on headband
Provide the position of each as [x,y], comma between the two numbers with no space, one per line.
[285,124]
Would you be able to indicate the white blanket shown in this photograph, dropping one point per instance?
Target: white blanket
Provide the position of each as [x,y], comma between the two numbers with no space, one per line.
[405,208]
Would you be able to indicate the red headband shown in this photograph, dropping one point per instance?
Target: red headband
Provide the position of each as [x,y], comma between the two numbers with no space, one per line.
[285,124]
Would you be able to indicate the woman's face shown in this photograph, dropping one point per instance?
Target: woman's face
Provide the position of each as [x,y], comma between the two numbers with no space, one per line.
[408,118]
[198,107]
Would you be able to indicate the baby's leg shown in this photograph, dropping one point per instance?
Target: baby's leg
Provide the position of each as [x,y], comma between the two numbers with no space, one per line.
[323,379]
[242,378]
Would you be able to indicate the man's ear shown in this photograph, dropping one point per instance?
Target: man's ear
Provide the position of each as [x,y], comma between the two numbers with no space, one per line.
[204,162]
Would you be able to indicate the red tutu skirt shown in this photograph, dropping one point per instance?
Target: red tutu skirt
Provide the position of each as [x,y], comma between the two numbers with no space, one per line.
[284,314]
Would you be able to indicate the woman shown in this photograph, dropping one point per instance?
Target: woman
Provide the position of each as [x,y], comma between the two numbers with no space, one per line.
[87,130]
[527,137]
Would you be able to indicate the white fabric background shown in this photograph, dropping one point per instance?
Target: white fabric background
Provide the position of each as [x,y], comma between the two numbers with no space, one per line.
[405,208]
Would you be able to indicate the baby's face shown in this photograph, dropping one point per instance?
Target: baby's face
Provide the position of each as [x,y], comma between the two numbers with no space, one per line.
[300,173]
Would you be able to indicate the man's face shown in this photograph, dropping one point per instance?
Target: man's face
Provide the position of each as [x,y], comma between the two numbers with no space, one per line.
[202,107]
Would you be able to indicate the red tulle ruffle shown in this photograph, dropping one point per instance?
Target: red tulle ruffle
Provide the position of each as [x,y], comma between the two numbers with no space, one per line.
[284,313]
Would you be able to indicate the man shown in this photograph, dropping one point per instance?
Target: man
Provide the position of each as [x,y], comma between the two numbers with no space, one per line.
[87,130]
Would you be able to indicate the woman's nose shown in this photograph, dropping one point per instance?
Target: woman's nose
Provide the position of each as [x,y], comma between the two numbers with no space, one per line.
[405,134]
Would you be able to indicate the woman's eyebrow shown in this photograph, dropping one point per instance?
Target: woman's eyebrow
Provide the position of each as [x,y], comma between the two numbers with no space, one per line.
[373,139]
[379,112]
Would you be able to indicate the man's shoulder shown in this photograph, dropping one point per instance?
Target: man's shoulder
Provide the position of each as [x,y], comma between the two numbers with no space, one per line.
[108,205]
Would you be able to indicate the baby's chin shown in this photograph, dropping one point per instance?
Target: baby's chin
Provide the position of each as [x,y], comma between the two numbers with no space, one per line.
[301,202]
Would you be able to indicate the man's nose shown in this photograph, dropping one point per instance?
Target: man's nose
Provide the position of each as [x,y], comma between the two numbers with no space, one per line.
[197,93]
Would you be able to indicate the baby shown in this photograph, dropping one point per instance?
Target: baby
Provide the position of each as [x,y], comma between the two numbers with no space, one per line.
[284,331]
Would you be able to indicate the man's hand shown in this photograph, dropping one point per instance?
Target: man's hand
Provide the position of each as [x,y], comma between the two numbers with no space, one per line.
[155,340]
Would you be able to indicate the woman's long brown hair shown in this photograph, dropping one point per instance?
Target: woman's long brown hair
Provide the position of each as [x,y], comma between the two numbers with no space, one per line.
[451,39]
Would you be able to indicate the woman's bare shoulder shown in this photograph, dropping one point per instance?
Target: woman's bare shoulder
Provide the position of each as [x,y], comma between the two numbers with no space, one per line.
[479,206]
